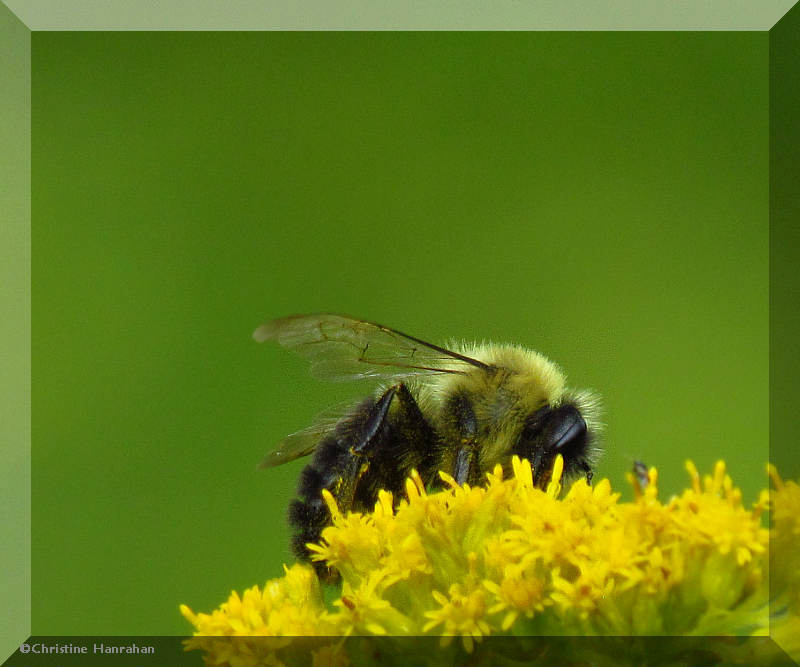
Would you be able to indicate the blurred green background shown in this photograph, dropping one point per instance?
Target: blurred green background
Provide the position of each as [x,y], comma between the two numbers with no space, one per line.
[600,197]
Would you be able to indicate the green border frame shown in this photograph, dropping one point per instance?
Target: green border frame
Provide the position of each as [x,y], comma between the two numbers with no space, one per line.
[784,241]
[15,329]
[15,187]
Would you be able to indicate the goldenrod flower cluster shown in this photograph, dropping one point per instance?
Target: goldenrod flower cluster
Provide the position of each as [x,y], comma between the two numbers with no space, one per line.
[510,558]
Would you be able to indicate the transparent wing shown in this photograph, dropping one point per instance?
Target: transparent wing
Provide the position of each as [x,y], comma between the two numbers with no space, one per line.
[304,442]
[342,348]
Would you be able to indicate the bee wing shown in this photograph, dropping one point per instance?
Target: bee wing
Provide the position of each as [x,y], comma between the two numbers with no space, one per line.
[304,442]
[342,348]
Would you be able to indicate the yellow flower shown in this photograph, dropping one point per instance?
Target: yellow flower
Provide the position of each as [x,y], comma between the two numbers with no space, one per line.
[715,515]
[353,538]
[460,614]
[582,594]
[363,610]
[522,590]
[289,606]
[510,558]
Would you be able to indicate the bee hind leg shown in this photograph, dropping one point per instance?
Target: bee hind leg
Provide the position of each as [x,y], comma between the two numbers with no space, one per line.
[398,440]
[374,448]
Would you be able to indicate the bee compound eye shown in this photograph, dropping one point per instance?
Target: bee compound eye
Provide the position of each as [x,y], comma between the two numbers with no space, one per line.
[568,429]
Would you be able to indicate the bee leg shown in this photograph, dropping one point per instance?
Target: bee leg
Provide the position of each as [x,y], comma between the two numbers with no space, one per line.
[339,465]
[415,445]
[465,466]
[372,449]
[587,469]
[355,449]
[378,452]
[393,443]
[375,420]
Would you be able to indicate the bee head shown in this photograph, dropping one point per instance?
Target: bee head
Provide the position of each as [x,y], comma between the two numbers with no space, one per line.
[550,431]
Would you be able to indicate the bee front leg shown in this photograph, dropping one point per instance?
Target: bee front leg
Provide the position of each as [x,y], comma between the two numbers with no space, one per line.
[588,470]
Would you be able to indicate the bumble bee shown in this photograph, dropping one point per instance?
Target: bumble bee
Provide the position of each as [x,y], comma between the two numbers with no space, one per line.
[460,410]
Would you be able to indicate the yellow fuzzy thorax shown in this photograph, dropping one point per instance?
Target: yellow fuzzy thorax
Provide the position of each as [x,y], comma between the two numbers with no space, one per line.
[532,376]
[524,382]
[510,558]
